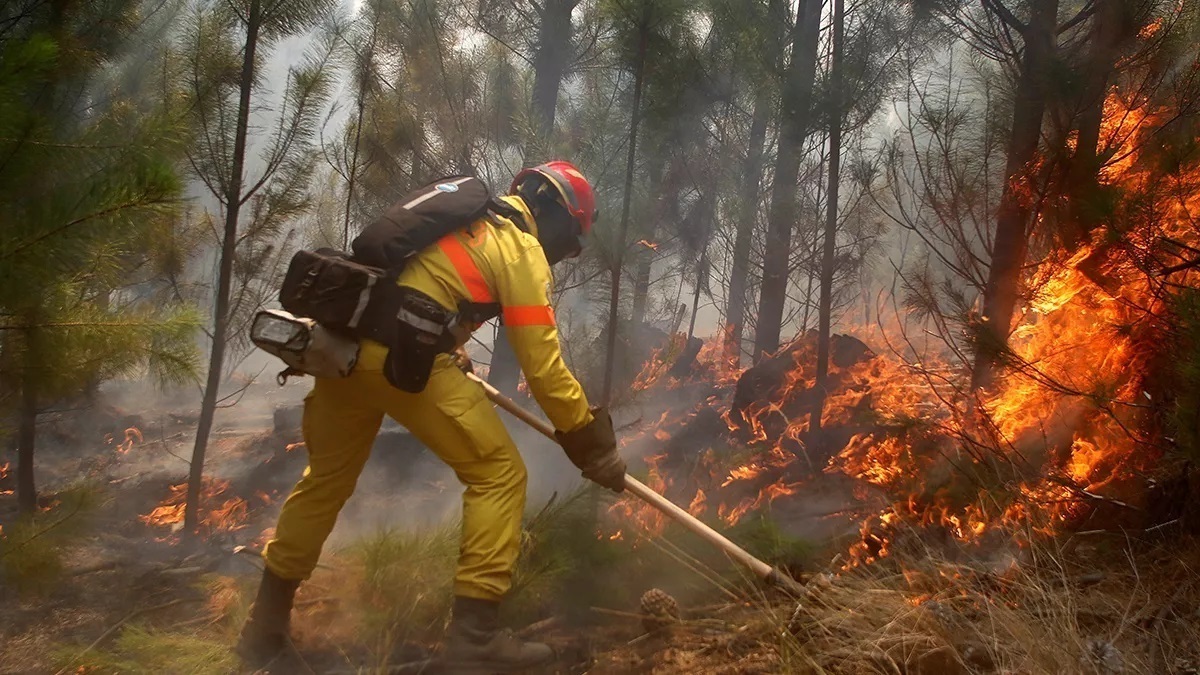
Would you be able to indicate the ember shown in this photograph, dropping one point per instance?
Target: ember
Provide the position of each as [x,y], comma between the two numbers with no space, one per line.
[133,436]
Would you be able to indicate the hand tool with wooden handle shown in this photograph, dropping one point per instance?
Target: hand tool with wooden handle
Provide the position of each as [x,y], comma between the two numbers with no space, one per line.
[771,575]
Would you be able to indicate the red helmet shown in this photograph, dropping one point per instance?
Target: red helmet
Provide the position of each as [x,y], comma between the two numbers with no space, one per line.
[574,190]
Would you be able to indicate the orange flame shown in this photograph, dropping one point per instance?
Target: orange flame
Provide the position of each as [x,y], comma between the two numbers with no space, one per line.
[229,516]
[1059,428]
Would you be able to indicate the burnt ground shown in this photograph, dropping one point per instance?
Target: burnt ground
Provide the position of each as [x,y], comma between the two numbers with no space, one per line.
[118,569]
[1062,610]
[117,563]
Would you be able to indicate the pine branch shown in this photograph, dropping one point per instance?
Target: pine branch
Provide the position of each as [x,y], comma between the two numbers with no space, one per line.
[143,202]
[998,8]
[1084,14]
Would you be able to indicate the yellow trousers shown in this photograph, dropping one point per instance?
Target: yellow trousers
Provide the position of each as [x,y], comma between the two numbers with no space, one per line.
[454,419]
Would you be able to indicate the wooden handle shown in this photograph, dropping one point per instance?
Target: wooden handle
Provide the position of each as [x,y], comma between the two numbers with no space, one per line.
[643,492]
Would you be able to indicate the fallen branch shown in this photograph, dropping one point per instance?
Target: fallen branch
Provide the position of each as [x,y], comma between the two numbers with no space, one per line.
[537,627]
[99,567]
[617,613]
[630,425]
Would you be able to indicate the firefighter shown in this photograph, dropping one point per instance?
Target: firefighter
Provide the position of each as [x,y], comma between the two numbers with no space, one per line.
[496,259]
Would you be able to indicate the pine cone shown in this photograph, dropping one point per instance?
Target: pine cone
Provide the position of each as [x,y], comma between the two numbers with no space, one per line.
[1102,657]
[659,610]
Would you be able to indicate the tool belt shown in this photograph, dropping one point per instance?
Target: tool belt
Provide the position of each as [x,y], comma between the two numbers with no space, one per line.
[331,302]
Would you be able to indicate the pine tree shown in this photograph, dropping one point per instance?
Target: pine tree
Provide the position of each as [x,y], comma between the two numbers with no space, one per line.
[642,26]
[544,36]
[89,196]
[1015,213]
[226,42]
[756,47]
[795,125]
[825,308]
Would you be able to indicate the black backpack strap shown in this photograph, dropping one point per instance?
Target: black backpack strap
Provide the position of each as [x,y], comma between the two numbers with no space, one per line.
[478,312]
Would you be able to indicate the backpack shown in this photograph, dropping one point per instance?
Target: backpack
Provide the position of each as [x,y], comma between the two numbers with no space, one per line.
[356,295]
[424,216]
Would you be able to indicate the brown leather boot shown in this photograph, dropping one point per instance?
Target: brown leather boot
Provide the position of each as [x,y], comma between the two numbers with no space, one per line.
[476,645]
[266,631]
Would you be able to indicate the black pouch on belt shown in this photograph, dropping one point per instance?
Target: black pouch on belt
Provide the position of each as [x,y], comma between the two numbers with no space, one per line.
[423,330]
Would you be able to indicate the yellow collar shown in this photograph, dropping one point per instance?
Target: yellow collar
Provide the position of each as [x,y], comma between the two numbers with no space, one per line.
[519,204]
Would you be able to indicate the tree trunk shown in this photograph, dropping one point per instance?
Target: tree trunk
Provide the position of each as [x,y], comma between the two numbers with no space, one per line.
[825,306]
[1082,184]
[614,299]
[27,426]
[549,65]
[695,299]
[794,123]
[1014,215]
[364,77]
[233,198]
[810,254]
[550,62]
[739,275]
[641,284]
[645,258]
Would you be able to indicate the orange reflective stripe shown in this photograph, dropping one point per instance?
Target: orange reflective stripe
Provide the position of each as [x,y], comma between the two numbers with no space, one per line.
[467,270]
[529,315]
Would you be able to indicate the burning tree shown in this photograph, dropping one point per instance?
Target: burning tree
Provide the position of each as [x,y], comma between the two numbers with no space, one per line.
[1083,409]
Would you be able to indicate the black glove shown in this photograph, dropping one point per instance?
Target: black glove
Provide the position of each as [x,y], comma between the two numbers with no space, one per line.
[593,449]
[462,360]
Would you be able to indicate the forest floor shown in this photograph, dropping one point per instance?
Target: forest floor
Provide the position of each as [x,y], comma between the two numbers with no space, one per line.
[101,581]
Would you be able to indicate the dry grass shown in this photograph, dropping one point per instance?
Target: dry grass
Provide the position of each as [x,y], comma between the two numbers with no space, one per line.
[1093,606]
[1097,611]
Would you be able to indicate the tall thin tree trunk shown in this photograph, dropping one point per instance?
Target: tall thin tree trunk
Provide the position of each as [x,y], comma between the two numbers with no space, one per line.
[739,275]
[614,300]
[1014,216]
[364,78]
[1082,176]
[549,65]
[794,123]
[27,425]
[825,307]
[233,197]
[641,284]
[815,242]
[645,259]
[696,298]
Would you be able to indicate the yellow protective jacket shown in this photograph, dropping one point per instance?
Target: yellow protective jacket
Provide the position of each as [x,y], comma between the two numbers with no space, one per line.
[493,260]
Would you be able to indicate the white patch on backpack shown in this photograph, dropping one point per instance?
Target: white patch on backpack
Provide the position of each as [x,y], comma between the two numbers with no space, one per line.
[447,187]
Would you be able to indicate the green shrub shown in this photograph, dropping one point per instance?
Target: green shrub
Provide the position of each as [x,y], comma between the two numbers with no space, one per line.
[32,549]
[144,650]
[407,583]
